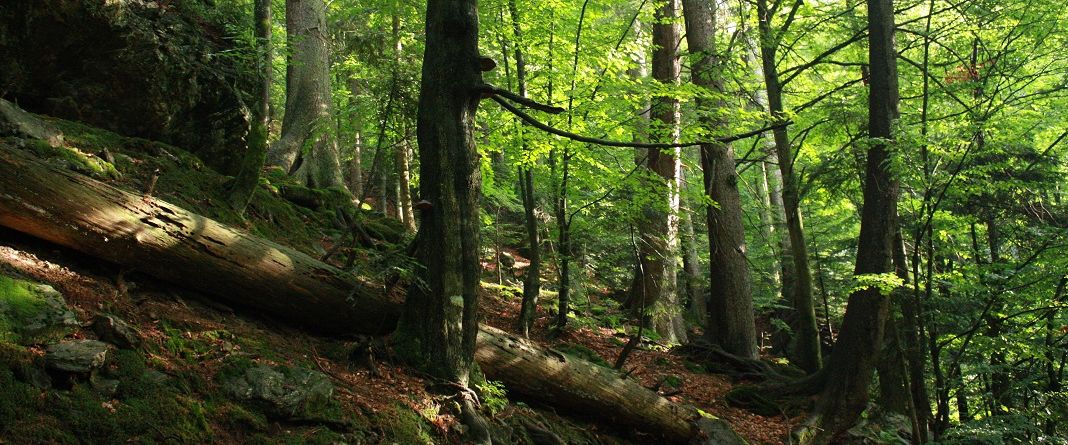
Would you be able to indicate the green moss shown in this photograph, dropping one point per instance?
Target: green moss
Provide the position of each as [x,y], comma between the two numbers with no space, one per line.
[75,159]
[28,314]
[582,352]
[400,424]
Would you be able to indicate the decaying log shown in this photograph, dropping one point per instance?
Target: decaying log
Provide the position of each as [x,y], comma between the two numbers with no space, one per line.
[564,381]
[168,242]
[176,245]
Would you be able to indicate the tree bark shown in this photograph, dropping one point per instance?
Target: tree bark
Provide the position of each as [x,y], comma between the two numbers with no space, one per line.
[806,351]
[355,169]
[532,281]
[182,247]
[401,156]
[730,306]
[852,364]
[582,387]
[173,244]
[248,177]
[659,226]
[308,148]
[440,318]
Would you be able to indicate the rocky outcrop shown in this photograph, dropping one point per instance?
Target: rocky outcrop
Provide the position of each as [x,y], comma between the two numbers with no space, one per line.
[157,70]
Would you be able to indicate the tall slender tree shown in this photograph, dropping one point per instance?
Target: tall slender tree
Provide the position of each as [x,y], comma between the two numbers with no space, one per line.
[656,284]
[248,177]
[806,350]
[852,364]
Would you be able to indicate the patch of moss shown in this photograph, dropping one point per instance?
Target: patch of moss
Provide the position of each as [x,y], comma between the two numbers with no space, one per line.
[75,159]
[400,424]
[582,352]
[27,315]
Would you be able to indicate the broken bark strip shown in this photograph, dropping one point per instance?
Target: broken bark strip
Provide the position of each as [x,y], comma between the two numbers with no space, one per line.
[173,244]
[179,246]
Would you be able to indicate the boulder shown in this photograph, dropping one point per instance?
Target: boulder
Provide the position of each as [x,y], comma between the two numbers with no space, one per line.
[77,356]
[163,71]
[16,122]
[113,330]
[285,392]
[32,313]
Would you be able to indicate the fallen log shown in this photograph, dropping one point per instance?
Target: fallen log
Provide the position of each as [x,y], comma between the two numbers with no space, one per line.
[176,245]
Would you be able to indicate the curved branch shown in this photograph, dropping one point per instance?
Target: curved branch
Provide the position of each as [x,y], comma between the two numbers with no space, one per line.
[610,143]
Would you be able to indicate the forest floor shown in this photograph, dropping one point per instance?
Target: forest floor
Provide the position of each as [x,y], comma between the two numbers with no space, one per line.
[191,338]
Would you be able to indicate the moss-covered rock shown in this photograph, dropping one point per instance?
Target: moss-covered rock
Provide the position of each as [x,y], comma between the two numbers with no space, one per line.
[32,312]
[284,392]
[160,70]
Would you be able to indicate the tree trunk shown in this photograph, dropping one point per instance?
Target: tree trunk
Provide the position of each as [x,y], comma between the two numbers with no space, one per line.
[659,226]
[806,351]
[440,319]
[173,244]
[355,176]
[852,364]
[730,306]
[307,148]
[691,267]
[532,281]
[401,157]
[579,386]
[248,177]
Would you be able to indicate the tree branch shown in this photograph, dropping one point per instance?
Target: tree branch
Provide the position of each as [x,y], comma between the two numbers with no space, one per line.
[610,143]
[490,90]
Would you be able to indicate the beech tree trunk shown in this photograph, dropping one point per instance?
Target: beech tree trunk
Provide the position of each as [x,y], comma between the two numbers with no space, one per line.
[179,246]
[173,244]
[656,285]
[730,306]
[806,350]
[440,319]
[401,156]
[852,364]
[355,168]
[308,148]
[532,281]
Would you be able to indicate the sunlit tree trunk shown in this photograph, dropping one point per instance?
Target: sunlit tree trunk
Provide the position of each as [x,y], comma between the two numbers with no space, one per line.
[355,167]
[401,157]
[307,148]
[659,226]
[532,281]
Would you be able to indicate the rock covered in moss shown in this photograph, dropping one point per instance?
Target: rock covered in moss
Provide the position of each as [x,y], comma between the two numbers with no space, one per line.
[114,330]
[162,71]
[16,122]
[287,392]
[33,313]
[77,356]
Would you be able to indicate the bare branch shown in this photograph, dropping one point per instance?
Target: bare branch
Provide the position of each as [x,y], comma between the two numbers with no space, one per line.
[610,143]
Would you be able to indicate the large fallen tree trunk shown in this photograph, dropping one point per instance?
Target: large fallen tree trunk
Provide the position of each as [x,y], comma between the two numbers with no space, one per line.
[176,245]
[168,242]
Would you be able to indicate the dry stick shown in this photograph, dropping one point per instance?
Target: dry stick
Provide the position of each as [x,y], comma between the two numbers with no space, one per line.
[610,143]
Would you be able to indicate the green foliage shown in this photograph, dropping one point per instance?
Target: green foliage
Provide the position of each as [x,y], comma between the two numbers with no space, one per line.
[493,396]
